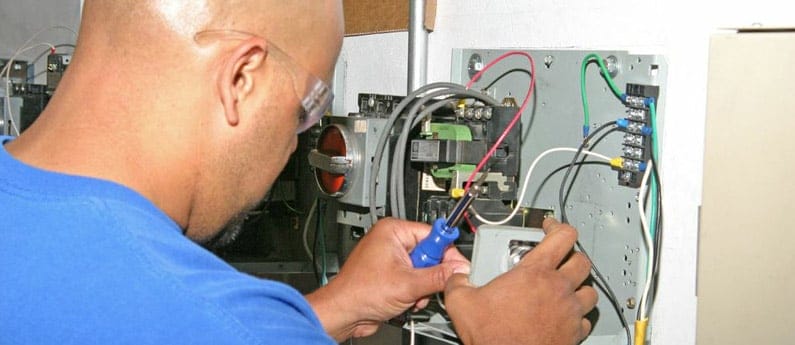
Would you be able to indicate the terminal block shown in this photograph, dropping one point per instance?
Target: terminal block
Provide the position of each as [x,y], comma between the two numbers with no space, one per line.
[637,146]
[383,105]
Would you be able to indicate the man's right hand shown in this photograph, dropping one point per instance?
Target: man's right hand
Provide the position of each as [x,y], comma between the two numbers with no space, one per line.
[540,301]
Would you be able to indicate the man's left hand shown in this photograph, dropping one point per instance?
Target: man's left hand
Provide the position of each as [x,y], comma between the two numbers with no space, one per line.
[378,281]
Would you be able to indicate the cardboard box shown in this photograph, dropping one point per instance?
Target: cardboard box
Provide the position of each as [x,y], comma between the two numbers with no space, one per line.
[364,17]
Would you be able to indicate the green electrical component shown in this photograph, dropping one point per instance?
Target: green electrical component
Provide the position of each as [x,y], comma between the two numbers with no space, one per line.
[449,131]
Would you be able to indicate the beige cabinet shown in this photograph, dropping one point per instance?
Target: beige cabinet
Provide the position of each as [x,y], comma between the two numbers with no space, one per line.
[746,259]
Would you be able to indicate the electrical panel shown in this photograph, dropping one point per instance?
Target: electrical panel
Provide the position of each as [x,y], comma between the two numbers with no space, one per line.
[23,100]
[435,140]
[20,71]
[604,211]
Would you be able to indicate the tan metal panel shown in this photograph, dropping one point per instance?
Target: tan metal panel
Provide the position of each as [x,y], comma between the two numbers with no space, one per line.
[746,268]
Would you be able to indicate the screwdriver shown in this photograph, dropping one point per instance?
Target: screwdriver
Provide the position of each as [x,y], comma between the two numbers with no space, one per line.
[430,250]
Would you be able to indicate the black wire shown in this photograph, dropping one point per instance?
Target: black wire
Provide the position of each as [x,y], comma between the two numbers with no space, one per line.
[520,70]
[659,220]
[584,143]
[579,166]
[600,280]
[260,212]
[657,238]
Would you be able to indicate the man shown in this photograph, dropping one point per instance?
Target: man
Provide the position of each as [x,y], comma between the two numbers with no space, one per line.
[174,117]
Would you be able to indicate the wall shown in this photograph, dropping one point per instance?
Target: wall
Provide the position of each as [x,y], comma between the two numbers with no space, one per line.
[19,20]
[678,29]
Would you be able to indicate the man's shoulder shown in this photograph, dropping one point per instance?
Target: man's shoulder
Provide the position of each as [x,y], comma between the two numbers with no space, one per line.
[112,268]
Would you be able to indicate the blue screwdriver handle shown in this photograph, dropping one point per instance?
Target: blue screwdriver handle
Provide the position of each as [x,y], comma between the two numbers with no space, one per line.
[430,250]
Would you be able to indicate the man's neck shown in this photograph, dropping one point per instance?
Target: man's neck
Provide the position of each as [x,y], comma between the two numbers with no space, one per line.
[91,131]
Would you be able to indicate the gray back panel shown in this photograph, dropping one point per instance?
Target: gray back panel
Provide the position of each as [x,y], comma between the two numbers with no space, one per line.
[605,213]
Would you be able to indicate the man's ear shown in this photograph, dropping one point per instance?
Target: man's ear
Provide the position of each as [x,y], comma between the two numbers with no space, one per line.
[238,75]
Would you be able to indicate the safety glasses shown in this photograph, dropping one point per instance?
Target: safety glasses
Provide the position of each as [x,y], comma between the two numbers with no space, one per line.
[315,95]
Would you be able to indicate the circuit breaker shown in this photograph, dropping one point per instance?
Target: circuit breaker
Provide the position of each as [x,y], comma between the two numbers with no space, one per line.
[340,160]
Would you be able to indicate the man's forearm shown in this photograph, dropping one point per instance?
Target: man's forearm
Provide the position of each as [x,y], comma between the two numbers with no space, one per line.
[333,315]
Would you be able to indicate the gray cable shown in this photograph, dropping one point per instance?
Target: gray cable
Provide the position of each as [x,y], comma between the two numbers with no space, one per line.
[394,203]
[382,141]
[452,89]
[397,196]
[400,168]
[397,189]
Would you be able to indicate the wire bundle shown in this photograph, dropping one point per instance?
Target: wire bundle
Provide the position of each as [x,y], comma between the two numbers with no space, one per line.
[423,101]
[651,225]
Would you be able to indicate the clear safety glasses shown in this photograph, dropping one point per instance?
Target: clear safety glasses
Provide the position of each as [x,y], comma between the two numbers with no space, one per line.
[315,95]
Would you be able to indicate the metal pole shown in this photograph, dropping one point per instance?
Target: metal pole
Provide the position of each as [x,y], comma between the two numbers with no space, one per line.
[418,46]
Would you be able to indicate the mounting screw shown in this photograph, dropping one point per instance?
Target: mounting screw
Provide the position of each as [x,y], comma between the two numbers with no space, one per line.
[475,64]
[631,303]
[548,60]
[611,62]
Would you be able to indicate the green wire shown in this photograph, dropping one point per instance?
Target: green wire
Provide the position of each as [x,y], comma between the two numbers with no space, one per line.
[656,153]
[594,57]
[584,95]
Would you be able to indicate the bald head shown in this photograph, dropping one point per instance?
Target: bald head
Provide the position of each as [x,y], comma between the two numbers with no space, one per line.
[303,29]
[202,129]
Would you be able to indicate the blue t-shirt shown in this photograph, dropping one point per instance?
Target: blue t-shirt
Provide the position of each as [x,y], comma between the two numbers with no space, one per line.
[87,261]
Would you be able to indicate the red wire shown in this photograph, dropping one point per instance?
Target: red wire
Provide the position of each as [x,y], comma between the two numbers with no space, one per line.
[516,117]
[472,227]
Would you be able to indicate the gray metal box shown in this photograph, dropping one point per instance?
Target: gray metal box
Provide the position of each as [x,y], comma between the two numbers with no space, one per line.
[498,248]
[361,135]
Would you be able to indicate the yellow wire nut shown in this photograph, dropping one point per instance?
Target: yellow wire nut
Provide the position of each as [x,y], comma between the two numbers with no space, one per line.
[457,193]
[640,331]
[617,162]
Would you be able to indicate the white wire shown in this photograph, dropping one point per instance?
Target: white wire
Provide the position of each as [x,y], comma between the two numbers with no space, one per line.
[525,183]
[646,238]
[306,230]
[21,50]
[62,27]
[439,299]
[411,328]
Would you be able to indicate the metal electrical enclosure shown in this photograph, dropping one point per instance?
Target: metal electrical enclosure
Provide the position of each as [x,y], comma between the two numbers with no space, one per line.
[604,212]
[745,252]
